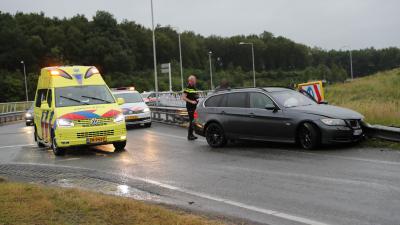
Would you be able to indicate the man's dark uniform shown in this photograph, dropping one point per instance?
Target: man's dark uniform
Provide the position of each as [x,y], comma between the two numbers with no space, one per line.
[191,93]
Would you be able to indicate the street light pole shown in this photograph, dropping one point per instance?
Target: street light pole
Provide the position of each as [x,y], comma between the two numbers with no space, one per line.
[252,56]
[180,57]
[351,60]
[180,51]
[211,75]
[154,51]
[351,65]
[26,84]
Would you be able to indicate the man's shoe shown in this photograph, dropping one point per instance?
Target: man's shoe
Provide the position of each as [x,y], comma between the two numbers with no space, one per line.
[191,138]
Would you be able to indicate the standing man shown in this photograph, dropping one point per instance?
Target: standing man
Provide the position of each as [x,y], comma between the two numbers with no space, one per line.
[191,97]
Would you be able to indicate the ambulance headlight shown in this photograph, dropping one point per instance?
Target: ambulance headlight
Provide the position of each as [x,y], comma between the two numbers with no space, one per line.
[146,110]
[64,123]
[119,118]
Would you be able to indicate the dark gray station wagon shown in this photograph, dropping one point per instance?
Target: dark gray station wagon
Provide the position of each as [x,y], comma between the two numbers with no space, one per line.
[274,114]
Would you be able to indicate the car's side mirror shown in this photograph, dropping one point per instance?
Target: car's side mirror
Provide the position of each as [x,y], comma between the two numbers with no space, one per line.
[120,101]
[44,105]
[323,102]
[270,107]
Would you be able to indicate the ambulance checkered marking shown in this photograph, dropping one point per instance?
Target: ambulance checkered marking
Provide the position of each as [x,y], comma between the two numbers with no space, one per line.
[111,113]
[81,115]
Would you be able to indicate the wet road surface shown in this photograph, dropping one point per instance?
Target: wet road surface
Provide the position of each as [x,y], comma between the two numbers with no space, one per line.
[261,182]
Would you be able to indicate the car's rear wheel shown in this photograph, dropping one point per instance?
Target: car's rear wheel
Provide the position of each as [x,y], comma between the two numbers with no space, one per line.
[57,150]
[309,136]
[215,136]
[119,146]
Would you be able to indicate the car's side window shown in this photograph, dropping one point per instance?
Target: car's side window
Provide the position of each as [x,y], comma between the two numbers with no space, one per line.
[259,100]
[41,95]
[237,100]
[49,97]
[214,101]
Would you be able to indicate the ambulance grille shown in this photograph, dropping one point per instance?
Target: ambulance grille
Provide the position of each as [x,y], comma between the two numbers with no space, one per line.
[93,122]
[94,133]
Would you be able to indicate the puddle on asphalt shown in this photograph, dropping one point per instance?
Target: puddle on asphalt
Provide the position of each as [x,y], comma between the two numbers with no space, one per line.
[105,187]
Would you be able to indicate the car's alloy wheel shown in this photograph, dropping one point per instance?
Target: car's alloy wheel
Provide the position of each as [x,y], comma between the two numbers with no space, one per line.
[309,137]
[57,150]
[215,136]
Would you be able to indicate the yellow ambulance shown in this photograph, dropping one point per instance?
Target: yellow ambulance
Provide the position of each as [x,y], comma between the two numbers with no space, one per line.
[73,107]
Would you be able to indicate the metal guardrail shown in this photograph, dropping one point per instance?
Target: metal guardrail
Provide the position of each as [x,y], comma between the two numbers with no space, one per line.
[11,116]
[9,107]
[169,115]
[382,132]
[174,99]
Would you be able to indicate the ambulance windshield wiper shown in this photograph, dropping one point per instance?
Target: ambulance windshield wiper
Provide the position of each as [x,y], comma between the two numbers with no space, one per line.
[73,99]
[100,99]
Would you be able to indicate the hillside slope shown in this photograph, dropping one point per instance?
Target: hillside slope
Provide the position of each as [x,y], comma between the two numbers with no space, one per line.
[377,97]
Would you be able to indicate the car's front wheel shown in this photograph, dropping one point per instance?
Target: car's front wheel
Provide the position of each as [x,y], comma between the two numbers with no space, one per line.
[119,146]
[57,150]
[215,136]
[309,136]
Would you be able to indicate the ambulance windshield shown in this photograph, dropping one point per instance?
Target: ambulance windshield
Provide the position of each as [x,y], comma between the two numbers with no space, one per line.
[83,95]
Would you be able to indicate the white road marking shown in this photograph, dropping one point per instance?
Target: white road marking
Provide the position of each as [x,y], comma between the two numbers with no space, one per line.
[13,146]
[69,159]
[235,203]
[209,197]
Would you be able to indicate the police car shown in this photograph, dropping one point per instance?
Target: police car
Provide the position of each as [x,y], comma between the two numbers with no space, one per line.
[135,110]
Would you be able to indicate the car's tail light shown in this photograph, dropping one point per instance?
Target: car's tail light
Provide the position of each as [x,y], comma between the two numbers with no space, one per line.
[195,115]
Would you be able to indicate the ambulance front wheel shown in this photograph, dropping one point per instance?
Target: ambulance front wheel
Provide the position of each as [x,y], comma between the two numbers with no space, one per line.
[56,150]
[119,146]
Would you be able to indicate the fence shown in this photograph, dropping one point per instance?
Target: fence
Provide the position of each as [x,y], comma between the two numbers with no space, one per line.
[174,99]
[10,107]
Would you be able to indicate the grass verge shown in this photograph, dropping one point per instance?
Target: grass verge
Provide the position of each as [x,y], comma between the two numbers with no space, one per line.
[377,97]
[34,204]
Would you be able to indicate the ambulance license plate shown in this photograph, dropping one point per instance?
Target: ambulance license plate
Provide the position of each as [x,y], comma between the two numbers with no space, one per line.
[99,139]
[132,117]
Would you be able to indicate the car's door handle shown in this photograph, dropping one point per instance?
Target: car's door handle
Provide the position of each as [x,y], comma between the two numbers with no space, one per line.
[223,112]
[251,115]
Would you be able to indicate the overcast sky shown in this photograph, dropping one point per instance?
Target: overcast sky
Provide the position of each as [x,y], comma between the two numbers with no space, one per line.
[322,23]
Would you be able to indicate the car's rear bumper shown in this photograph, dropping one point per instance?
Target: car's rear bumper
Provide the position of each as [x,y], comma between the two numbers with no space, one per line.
[199,129]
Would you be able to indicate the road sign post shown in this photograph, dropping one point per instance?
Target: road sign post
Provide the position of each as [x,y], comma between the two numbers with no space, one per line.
[166,68]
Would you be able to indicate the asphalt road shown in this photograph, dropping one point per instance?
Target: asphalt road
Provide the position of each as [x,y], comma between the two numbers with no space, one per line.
[261,182]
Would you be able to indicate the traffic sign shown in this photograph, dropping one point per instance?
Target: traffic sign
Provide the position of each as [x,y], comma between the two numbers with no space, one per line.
[314,89]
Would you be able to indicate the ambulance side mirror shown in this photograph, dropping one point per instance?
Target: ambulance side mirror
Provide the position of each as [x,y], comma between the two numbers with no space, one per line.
[120,101]
[44,105]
